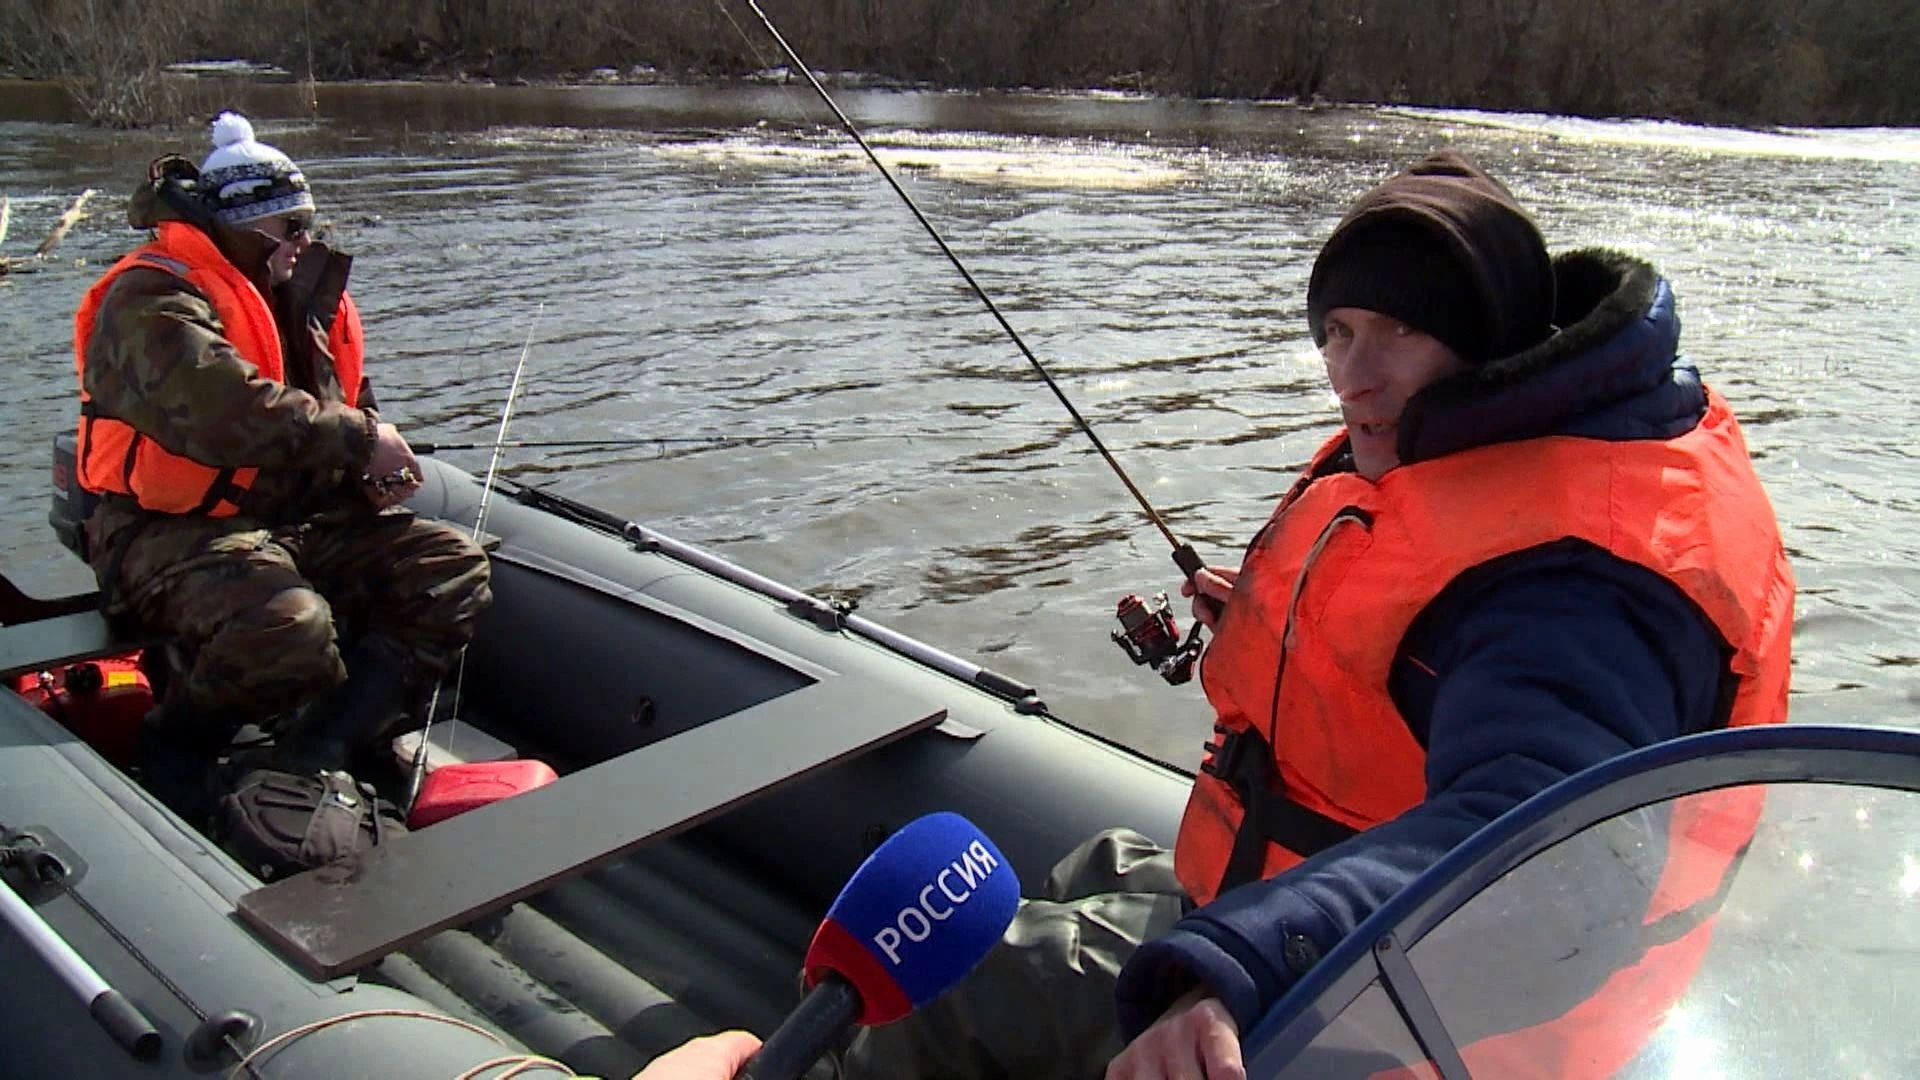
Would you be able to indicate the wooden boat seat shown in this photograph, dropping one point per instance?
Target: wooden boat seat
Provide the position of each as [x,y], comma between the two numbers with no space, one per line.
[339,918]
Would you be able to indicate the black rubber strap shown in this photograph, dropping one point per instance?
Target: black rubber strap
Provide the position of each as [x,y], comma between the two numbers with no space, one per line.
[223,489]
[1268,817]
[133,456]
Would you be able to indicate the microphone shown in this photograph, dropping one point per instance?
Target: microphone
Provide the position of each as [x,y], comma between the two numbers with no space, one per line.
[921,912]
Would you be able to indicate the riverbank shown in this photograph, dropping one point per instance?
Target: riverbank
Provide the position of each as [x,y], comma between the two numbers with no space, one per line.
[1747,62]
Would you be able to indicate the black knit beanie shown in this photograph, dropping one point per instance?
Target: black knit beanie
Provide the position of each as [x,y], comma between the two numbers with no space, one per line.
[1444,248]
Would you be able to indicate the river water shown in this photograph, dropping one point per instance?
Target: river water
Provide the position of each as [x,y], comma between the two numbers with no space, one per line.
[687,263]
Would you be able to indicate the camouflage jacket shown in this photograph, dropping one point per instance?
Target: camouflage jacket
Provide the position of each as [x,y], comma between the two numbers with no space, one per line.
[159,362]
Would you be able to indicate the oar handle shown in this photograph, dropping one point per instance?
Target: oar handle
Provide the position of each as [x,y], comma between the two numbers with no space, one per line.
[109,1007]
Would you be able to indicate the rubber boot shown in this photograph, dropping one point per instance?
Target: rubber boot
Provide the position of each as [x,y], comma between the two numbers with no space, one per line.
[334,732]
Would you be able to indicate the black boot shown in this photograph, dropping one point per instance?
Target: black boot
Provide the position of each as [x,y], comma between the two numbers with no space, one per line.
[334,732]
[176,755]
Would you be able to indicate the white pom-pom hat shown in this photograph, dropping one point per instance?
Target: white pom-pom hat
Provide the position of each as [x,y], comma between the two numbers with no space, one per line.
[245,180]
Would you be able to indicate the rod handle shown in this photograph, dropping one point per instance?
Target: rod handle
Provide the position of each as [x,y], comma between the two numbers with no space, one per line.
[1188,560]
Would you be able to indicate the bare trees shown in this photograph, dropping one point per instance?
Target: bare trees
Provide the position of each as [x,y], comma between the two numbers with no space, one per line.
[112,50]
[1782,61]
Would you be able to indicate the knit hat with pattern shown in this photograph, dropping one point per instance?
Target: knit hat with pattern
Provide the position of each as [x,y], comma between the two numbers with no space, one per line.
[245,180]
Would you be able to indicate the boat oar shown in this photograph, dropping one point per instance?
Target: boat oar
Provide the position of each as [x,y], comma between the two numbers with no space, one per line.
[120,1017]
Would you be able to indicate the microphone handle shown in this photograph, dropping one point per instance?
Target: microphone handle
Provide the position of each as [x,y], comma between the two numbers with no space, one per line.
[807,1033]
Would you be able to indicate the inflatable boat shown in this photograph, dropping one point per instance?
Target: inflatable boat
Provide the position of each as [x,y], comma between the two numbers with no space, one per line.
[729,750]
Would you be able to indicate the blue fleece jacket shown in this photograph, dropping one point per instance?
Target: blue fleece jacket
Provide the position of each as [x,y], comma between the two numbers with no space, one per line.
[1529,670]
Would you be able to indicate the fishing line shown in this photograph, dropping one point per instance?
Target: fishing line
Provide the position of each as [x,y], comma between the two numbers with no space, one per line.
[1183,554]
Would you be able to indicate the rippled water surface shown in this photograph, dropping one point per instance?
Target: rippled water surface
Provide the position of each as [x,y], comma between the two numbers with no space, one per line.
[687,264]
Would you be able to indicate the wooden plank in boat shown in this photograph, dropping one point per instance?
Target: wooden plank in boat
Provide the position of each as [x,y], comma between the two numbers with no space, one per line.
[339,918]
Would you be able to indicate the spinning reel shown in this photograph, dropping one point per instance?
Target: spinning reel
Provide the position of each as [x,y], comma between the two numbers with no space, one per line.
[1149,635]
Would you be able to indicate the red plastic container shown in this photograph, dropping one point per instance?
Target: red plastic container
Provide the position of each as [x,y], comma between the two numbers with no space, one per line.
[458,788]
[101,700]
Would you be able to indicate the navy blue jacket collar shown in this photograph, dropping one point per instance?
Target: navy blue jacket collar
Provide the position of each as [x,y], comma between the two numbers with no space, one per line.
[1612,372]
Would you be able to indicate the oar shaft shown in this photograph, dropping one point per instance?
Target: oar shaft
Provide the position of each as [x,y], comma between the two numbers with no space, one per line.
[109,1007]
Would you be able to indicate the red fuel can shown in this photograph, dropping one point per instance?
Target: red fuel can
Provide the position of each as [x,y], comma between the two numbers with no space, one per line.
[101,700]
[459,787]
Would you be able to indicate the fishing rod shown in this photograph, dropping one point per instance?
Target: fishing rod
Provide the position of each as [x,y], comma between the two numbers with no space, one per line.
[1148,632]
[417,773]
[506,418]
[696,440]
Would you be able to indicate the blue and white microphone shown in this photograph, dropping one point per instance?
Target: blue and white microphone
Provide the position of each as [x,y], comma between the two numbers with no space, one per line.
[922,911]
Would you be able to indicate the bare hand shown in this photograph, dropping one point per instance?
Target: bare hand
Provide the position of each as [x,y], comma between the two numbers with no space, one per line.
[1196,1040]
[716,1057]
[393,473]
[1215,583]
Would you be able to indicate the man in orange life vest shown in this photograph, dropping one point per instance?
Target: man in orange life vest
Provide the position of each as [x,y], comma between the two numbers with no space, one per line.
[249,490]
[1536,543]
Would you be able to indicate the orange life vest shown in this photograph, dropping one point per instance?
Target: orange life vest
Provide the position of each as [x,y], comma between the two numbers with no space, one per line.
[1329,589]
[114,457]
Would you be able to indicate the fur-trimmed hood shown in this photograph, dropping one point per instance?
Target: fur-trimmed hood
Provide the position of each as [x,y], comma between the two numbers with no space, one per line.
[1612,370]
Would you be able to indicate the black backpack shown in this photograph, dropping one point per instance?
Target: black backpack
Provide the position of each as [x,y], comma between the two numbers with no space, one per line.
[278,823]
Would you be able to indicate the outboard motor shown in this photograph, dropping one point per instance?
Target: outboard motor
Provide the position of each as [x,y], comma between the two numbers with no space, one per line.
[72,504]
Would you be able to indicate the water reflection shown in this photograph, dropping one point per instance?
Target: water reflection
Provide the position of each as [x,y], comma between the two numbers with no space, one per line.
[1801,961]
[716,260]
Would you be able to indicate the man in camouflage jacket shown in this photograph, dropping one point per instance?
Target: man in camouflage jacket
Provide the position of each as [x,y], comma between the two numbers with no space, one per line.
[316,549]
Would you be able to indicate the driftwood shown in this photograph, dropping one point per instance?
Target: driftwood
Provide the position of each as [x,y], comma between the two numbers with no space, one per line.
[67,221]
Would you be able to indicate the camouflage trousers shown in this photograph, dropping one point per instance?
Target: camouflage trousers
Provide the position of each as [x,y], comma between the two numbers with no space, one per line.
[258,613]
[1041,1005]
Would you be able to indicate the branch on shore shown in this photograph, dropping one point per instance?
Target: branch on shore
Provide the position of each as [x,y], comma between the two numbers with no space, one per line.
[67,221]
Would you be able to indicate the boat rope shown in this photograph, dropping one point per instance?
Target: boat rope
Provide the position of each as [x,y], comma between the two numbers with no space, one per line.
[515,1065]
[24,850]
[417,772]
[519,1062]
[1183,554]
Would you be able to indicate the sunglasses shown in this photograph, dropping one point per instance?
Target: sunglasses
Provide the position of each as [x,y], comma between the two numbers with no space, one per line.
[295,230]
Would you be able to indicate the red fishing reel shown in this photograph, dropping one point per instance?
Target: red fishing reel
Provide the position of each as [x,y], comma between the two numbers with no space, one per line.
[1149,635]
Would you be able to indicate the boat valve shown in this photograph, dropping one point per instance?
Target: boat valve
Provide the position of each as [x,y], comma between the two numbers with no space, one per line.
[1149,635]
